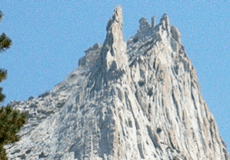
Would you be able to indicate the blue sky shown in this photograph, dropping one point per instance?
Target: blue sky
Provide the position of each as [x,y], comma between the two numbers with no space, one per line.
[50,36]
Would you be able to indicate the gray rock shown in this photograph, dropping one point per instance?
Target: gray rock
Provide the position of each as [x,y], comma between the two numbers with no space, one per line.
[176,34]
[153,22]
[113,54]
[139,100]
[91,56]
[145,30]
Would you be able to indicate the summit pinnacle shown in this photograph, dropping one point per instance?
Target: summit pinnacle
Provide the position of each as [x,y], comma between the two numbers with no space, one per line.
[113,52]
[134,100]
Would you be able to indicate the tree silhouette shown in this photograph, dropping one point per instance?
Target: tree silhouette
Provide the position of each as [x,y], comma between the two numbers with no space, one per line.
[11,120]
[5,43]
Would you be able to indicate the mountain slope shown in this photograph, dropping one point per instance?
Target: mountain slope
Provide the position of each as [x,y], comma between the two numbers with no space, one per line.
[134,100]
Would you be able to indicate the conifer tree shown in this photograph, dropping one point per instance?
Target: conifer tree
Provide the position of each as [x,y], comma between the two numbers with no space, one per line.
[11,120]
[5,43]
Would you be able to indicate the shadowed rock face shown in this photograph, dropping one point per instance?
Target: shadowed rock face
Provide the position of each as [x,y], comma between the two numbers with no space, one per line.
[134,100]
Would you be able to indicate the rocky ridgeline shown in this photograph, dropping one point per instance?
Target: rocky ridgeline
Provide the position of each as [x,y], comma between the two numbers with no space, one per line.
[135,100]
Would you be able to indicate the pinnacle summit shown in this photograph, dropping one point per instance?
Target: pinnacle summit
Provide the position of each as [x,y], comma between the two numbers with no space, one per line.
[114,47]
[134,100]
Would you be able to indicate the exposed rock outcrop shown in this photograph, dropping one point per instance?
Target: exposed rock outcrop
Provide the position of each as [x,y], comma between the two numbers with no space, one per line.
[113,54]
[134,100]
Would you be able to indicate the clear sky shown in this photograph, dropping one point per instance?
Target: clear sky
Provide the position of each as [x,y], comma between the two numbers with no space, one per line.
[50,36]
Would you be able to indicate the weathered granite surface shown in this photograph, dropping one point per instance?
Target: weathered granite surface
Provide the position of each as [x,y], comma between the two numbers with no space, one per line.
[135,100]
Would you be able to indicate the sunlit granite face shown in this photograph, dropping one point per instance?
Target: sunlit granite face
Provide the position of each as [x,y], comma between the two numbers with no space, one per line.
[126,100]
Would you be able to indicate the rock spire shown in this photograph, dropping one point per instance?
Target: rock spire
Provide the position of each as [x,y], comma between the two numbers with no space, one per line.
[113,55]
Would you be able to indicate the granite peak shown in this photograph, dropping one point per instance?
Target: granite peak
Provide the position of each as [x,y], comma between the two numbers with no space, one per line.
[131,100]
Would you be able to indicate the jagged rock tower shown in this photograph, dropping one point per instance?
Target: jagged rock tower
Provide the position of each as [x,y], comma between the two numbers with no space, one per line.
[135,100]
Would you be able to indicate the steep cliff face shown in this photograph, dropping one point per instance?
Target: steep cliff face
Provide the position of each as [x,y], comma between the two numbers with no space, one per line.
[134,100]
